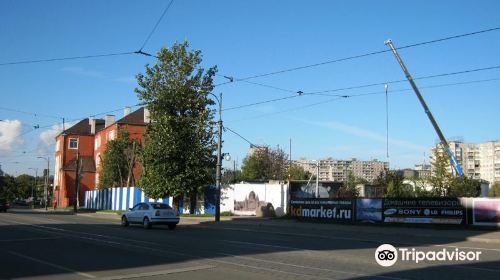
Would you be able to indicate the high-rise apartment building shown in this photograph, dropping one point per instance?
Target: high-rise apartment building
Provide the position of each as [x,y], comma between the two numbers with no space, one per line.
[478,161]
[338,170]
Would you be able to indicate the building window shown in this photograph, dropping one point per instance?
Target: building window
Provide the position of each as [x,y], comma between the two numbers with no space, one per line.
[111,135]
[73,143]
[97,142]
[98,159]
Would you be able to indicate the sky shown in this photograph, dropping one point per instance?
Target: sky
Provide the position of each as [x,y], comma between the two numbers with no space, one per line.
[249,38]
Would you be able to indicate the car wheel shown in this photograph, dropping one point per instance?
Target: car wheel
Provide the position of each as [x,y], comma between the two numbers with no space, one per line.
[124,221]
[146,223]
[171,226]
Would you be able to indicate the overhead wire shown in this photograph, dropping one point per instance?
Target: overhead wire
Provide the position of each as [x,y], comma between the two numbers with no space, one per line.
[64,58]
[239,135]
[140,52]
[156,26]
[368,54]
[338,97]
[29,113]
[322,92]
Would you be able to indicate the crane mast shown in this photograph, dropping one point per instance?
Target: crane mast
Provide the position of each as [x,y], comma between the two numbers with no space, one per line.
[453,160]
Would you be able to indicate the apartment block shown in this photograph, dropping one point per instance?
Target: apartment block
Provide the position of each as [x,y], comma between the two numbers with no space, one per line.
[338,170]
[478,161]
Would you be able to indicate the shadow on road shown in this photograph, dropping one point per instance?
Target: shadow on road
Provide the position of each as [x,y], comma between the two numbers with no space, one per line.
[44,244]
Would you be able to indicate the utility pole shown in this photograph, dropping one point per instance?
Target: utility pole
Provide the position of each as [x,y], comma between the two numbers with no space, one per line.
[234,171]
[46,181]
[32,187]
[317,179]
[77,182]
[219,163]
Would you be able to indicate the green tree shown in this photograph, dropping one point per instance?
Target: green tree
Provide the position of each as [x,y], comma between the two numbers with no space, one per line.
[393,185]
[495,190]
[441,176]
[231,176]
[24,183]
[297,172]
[8,187]
[179,144]
[349,188]
[118,161]
[265,164]
[420,187]
[464,187]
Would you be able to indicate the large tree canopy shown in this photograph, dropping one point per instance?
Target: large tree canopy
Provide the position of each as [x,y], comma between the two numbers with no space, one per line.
[118,161]
[265,164]
[179,142]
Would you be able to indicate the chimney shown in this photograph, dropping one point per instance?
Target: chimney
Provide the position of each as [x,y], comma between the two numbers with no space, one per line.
[147,118]
[109,120]
[126,111]
[92,123]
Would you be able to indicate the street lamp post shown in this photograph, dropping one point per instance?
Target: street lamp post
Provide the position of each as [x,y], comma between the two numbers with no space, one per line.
[219,159]
[46,181]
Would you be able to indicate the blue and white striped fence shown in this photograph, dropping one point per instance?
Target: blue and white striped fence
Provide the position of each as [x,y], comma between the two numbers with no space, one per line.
[118,198]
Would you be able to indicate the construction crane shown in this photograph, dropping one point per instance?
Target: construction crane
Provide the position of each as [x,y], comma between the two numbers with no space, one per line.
[453,160]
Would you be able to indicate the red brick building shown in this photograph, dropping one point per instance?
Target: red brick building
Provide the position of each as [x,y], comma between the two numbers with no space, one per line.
[89,137]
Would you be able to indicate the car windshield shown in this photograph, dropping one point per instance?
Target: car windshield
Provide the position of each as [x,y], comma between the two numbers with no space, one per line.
[160,206]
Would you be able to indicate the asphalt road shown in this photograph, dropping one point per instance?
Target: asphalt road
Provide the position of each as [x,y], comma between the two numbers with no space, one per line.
[59,246]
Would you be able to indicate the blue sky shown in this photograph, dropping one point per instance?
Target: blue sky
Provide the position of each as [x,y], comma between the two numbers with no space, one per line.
[245,38]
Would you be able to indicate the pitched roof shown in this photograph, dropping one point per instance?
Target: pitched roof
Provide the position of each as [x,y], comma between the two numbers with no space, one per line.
[83,127]
[88,164]
[136,117]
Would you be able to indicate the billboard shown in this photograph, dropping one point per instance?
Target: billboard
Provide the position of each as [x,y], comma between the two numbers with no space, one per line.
[323,209]
[369,209]
[424,211]
[486,212]
[305,189]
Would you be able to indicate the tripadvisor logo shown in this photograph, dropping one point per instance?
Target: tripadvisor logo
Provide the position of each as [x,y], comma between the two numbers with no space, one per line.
[387,255]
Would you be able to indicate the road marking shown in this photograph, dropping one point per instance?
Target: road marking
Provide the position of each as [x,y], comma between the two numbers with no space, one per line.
[29,239]
[263,245]
[85,233]
[250,266]
[158,273]
[53,265]
[308,267]
[345,238]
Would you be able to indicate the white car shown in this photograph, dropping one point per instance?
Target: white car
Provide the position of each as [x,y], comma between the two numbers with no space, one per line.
[149,213]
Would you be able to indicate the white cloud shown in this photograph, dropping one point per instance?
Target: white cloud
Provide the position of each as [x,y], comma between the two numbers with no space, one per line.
[48,137]
[10,132]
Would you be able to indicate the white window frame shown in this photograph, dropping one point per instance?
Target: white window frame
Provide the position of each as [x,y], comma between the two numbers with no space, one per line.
[97,143]
[69,143]
[111,135]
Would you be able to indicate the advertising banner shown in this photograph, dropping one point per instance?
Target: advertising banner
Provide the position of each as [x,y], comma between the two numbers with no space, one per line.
[424,211]
[305,189]
[323,209]
[369,209]
[486,212]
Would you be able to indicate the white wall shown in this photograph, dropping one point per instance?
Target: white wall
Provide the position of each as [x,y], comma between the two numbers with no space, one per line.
[276,194]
